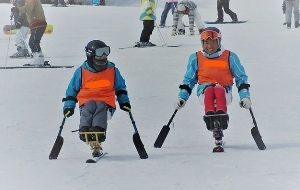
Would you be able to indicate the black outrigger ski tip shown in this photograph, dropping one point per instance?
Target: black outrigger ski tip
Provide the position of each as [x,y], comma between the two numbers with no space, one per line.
[164,132]
[256,134]
[58,142]
[258,139]
[56,148]
[139,146]
[162,136]
[137,140]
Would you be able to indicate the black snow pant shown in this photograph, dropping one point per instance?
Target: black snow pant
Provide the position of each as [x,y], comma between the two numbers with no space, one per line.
[35,38]
[225,4]
[147,30]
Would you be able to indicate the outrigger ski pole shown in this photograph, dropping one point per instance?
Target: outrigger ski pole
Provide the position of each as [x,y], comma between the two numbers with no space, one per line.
[164,132]
[137,140]
[58,142]
[256,134]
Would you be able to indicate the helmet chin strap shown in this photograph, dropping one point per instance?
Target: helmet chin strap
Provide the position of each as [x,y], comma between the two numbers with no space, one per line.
[100,62]
[100,65]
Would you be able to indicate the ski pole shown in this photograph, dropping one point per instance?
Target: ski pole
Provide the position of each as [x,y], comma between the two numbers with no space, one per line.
[58,142]
[137,140]
[164,132]
[160,35]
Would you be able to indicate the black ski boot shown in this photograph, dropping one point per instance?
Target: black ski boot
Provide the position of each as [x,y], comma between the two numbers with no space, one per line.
[234,18]
[208,118]
[181,32]
[219,20]
[223,117]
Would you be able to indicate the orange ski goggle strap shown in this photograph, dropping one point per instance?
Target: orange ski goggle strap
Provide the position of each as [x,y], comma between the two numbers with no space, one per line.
[210,34]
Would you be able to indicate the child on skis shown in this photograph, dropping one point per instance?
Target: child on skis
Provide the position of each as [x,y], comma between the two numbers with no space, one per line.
[213,69]
[148,17]
[95,85]
[186,7]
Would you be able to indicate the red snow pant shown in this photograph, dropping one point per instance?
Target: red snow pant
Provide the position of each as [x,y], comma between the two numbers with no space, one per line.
[215,99]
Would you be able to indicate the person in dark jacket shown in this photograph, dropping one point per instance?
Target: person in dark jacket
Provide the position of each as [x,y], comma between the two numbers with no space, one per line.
[224,4]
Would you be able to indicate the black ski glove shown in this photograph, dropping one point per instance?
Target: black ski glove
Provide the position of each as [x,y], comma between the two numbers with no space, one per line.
[68,112]
[125,106]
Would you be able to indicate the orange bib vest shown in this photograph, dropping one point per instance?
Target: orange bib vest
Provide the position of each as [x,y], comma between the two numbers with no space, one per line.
[97,86]
[214,70]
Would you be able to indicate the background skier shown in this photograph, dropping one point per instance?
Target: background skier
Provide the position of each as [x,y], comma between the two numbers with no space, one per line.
[94,85]
[225,4]
[169,5]
[37,22]
[292,6]
[22,25]
[186,7]
[213,69]
[148,17]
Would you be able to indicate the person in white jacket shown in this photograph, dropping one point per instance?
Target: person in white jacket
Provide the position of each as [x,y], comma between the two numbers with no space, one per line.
[186,7]
[170,5]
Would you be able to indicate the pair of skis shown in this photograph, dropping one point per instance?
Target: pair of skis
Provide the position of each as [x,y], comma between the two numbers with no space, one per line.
[254,132]
[136,140]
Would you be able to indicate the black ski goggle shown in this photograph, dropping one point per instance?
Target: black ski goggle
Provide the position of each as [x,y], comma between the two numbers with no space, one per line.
[99,52]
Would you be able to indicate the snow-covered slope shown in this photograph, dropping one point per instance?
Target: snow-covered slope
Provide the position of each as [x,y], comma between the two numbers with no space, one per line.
[31,107]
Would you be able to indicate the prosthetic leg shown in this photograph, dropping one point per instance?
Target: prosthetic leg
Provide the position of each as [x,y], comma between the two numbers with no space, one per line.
[94,140]
[216,118]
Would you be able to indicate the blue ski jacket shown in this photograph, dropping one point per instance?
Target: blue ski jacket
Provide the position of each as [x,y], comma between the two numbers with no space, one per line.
[191,78]
[75,85]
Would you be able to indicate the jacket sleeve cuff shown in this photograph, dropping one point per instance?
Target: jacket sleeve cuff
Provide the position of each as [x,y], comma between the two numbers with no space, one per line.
[183,94]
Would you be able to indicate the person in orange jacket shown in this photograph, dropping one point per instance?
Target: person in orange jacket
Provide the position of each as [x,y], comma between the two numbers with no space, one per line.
[214,69]
[95,85]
